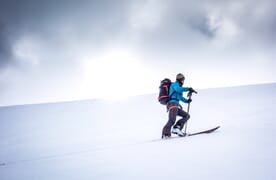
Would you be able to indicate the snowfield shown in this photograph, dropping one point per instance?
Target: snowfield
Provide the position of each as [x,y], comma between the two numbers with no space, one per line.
[116,140]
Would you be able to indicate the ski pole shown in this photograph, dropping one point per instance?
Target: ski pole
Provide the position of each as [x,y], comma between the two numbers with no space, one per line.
[188,109]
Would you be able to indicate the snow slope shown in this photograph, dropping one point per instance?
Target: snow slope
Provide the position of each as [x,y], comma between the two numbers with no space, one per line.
[99,139]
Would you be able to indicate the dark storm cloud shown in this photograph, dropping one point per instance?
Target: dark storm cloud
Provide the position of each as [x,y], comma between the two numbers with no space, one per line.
[200,25]
[183,25]
[256,20]
[5,52]
[56,22]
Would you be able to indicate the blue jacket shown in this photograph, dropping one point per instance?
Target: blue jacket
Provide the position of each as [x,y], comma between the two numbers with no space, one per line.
[176,93]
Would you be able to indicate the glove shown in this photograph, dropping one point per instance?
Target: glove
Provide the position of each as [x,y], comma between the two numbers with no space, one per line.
[189,100]
[191,90]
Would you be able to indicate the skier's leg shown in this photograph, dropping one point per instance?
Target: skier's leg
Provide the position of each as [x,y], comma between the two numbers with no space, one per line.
[185,117]
[172,118]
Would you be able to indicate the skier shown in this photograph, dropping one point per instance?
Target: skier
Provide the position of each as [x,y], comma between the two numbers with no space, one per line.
[175,109]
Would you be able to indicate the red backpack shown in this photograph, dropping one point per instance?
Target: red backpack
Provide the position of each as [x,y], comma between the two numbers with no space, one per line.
[164,89]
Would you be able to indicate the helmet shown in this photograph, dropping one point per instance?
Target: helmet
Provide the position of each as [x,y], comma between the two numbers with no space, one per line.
[180,77]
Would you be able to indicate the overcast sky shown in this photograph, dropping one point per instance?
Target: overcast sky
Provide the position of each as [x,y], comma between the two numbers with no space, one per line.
[58,50]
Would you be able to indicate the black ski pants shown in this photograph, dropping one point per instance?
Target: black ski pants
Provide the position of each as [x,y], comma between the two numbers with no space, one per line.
[174,111]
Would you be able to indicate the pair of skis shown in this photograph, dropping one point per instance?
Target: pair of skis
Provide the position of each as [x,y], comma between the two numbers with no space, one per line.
[196,133]
[205,132]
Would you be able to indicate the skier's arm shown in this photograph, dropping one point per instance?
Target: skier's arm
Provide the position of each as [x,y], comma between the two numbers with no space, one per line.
[181,89]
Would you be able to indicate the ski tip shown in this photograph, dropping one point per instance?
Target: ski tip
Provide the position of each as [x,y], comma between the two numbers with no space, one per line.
[216,128]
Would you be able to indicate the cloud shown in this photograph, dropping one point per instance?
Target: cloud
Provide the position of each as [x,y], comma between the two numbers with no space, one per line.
[251,22]
[223,20]
[149,25]
[59,24]
[43,40]
[5,48]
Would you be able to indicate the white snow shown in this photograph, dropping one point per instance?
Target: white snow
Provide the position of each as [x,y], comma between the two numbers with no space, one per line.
[100,139]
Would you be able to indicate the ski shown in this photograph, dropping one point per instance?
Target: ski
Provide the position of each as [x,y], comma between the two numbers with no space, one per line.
[196,133]
[204,132]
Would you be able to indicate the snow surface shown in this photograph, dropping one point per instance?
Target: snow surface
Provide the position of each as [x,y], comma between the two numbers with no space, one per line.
[100,139]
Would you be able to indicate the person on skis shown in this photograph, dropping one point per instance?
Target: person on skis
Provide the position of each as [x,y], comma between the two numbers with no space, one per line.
[174,108]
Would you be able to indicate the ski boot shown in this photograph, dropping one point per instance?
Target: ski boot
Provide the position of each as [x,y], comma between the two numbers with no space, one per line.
[166,136]
[178,132]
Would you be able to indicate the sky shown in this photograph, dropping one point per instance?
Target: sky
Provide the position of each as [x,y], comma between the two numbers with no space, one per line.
[69,50]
